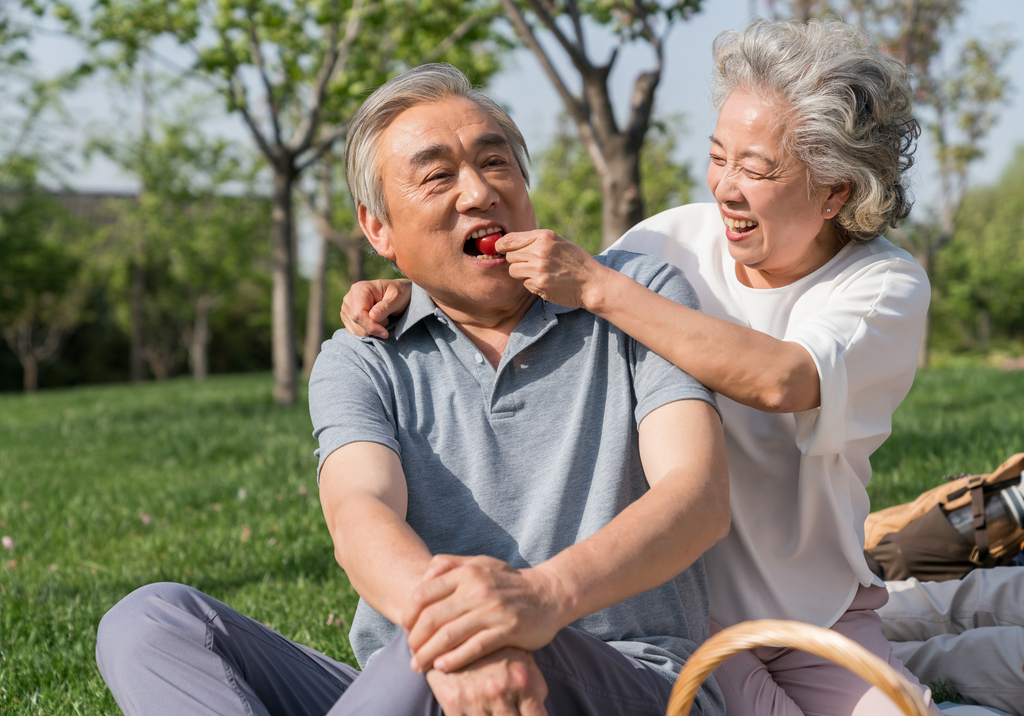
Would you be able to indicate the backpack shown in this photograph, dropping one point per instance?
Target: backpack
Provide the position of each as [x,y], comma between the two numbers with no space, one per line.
[917,539]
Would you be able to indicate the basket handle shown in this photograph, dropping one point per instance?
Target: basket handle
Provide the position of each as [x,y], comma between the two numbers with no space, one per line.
[777,632]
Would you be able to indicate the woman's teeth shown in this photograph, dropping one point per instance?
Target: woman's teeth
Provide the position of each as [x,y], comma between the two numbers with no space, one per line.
[738,224]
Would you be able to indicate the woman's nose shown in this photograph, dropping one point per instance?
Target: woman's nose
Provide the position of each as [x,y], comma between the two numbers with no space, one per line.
[725,188]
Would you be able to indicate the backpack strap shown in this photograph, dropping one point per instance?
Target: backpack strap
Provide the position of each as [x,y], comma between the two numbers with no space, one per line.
[980,553]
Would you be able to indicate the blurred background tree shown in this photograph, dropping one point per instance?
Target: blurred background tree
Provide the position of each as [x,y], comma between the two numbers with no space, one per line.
[567,192]
[295,72]
[43,290]
[613,147]
[978,279]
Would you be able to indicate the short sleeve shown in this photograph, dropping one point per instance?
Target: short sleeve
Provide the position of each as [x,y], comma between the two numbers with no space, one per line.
[864,342]
[349,396]
[656,381]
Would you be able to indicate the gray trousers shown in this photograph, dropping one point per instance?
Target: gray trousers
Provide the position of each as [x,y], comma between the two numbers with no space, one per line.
[170,649]
[967,632]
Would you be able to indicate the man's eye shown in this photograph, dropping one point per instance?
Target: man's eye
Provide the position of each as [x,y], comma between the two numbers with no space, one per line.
[753,175]
[438,175]
[720,161]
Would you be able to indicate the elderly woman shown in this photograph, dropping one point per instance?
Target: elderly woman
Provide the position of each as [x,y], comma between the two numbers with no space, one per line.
[809,333]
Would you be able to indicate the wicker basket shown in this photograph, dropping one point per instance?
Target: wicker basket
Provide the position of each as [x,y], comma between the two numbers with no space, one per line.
[814,640]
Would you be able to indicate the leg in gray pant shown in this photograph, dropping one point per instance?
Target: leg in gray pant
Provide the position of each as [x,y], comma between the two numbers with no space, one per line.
[170,649]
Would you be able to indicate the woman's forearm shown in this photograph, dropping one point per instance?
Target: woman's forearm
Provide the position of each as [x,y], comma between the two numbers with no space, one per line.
[740,363]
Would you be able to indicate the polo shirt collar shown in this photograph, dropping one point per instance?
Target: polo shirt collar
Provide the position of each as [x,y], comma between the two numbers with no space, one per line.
[421,306]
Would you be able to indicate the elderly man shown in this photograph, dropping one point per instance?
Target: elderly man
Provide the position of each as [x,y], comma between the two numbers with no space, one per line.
[519,492]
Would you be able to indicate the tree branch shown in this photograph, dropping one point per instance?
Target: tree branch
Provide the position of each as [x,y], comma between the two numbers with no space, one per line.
[457,34]
[336,57]
[525,31]
[579,60]
[240,102]
[323,146]
[257,57]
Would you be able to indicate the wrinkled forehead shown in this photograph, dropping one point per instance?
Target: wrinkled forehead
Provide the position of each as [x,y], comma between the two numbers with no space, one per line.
[447,129]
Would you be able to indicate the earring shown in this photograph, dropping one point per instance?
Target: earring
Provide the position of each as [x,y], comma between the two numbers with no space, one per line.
[828,211]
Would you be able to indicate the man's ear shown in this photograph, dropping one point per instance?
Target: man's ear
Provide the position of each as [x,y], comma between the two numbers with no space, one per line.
[377,233]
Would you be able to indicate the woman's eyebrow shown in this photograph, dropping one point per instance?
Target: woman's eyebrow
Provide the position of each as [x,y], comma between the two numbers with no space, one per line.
[772,163]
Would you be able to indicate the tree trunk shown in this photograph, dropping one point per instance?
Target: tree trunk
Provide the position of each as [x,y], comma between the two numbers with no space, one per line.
[622,205]
[282,303]
[31,376]
[137,299]
[355,257]
[199,341]
[924,348]
[315,308]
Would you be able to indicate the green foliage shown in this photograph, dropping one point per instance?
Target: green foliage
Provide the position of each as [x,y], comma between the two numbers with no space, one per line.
[195,245]
[978,279]
[106,489]
[352,45]
[42,286]
[567,194]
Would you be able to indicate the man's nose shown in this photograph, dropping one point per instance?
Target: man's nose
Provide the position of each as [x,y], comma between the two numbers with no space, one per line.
[475,192]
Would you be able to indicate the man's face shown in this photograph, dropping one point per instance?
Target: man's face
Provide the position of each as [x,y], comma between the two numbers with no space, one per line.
[450,174]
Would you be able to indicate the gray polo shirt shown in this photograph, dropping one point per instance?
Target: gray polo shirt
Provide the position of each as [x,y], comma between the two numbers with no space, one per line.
[521,462]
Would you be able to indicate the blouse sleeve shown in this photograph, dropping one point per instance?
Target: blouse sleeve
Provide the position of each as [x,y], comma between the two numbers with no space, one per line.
[864,341]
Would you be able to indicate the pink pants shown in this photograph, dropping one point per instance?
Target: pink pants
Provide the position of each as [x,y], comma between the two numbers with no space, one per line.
[772,681]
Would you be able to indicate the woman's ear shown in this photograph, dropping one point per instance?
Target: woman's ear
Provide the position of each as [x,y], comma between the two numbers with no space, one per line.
[838,196]
[377,233]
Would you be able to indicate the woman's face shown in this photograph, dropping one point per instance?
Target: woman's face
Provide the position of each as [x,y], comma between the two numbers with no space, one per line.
[777,232]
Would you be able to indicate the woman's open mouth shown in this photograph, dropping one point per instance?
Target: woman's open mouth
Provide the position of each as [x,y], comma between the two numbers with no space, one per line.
[738,228]
[481,243]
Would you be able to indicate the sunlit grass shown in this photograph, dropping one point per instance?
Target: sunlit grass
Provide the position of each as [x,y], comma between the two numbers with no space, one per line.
[105,489]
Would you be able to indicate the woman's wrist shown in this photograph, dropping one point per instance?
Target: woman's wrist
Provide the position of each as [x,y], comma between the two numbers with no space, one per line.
[598,291]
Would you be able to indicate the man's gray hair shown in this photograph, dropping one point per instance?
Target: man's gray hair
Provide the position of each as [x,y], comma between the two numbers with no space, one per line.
[845,111]
[421,85]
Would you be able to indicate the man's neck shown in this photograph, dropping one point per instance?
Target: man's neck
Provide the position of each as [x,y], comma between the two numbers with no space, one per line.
[489,332]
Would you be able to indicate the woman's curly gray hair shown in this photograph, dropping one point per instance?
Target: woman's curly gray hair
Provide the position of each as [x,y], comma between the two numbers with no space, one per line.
[846,111]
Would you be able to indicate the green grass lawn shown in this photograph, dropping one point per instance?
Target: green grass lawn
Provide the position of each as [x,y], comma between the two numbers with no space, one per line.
[106,489]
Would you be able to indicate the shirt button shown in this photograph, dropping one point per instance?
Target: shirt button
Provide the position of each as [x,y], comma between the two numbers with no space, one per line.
[479,358]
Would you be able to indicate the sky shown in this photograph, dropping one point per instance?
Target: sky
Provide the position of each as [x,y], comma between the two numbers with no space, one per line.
[535,105]
[525,90]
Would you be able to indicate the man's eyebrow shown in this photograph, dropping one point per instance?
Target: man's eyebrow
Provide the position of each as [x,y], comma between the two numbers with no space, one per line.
[434,152]
[772,163]
[491,140]
[430,154]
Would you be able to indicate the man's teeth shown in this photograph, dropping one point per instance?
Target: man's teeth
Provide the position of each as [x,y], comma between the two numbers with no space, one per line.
[735,224]
[480,233]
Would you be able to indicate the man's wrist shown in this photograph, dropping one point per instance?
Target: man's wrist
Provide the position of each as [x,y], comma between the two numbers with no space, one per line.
[560,594]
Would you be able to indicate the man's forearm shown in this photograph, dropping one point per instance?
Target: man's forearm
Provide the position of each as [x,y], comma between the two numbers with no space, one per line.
[364,498]
[381,555]
[646,545]
[484,604]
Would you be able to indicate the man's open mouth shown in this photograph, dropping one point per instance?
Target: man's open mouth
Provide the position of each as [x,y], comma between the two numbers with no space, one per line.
[480,243]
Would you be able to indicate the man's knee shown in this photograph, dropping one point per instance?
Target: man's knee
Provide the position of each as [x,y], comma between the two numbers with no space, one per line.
[142,619]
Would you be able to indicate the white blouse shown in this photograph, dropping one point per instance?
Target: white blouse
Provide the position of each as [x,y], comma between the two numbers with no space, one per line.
[798,497]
